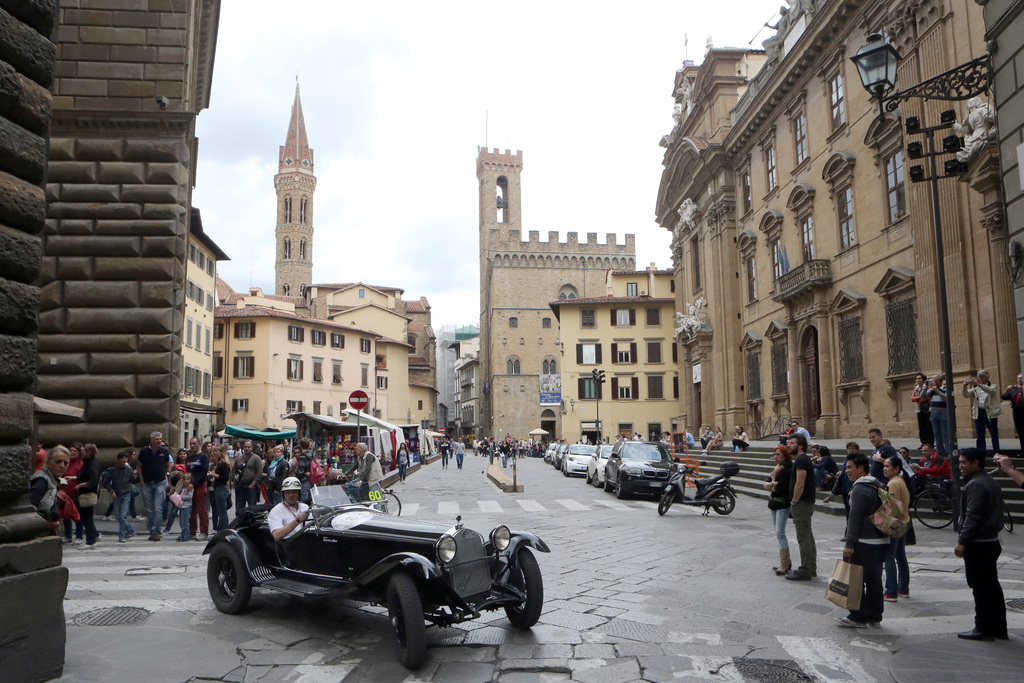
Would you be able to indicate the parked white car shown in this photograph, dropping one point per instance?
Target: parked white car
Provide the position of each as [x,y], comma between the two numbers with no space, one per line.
[577,458]
[595,468]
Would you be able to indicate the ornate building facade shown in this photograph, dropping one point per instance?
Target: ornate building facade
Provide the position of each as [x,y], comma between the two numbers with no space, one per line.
[295,184]
[520,354]
[794,219]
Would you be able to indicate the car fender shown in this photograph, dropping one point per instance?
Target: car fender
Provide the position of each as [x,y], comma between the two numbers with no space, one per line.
[417,566]
[522,538]
[239,543]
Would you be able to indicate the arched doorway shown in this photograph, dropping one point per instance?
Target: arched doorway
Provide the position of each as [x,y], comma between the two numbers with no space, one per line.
[812,385]
[547,423]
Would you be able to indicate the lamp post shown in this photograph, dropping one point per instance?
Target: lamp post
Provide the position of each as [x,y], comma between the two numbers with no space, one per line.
[877,63]
[599,379]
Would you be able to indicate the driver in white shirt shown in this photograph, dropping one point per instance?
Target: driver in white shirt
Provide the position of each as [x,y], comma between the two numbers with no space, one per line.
[287,517]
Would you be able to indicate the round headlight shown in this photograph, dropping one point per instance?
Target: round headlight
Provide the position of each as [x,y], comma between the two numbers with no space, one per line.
[501,537]
[446,548]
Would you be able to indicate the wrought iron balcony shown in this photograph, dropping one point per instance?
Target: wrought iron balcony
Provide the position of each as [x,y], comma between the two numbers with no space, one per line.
[807,275]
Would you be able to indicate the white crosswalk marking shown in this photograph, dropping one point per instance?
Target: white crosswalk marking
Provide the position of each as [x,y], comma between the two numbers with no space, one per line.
[819,657]
[410,509]
[447,508]
[574,505]
[489,506]
[531,506]
[613,505]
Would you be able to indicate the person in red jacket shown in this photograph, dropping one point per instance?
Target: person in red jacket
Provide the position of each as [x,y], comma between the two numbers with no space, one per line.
[932,467]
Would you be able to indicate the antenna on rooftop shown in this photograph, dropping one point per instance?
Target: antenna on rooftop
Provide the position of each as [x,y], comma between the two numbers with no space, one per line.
[686,47]
[486,124]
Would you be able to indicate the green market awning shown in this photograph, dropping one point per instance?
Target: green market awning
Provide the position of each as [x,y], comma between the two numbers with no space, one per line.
[257,434]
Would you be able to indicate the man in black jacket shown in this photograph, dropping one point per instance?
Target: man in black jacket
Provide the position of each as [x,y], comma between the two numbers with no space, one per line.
[981,518]
[865,544]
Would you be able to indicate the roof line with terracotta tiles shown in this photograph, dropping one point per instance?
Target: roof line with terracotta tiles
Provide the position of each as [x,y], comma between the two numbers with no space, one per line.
[261,312]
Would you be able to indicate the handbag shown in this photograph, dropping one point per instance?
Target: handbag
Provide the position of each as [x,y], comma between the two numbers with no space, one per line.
[176,499]
[135,491]
[87,500]
[845,585]
[911,535]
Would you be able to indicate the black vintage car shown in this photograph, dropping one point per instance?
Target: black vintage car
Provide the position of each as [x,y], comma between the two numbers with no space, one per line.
[637,467]
[423,572]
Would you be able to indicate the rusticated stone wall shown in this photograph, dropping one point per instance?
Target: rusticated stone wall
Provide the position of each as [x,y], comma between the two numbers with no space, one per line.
[32,582]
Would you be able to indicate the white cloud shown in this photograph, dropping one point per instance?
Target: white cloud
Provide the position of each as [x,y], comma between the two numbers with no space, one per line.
[395,96]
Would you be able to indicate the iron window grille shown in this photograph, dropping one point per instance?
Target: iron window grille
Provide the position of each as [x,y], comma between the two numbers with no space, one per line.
[901,334]
[780,369]
[753,376]
[851,359]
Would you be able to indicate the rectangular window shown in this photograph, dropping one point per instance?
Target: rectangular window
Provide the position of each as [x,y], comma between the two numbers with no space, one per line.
[753,376]
[188,332]
[745,190]
[239,405]
[202,259]
[364,375]
[341,408]
[382,382]
[894,187]
[296,333]
[209,266]
[218,367]
[318,337]
[653,317]
[364,345]
[316,407]
[844,204]
[625,391]
[513,322]
[623,356]
[218,330]
[695,257]
[200,295]
[545,323]
[655,388]
[295,369]
[209,301]
[807,237]
[337,340]
[769,166]
[623,317]
[901,332]
[293,406]
[207,385]
[800,137]
[192,251]
[586,389]
[780,369]
[654,352]
[190,289]
[419,406]
[675,386]
[631,289]
[245,330]
[838,101]
[209,340]
[245,367]
[777,260]
[851,361]
[318,370]
[588,317]
[751,269]
[336,376]
[588,354]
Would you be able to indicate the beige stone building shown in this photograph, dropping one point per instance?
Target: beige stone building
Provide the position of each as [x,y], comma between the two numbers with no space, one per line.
[794,219]
[269,361]
[200,416]
[467,384]
[520,358]
[131,79]
[629,333]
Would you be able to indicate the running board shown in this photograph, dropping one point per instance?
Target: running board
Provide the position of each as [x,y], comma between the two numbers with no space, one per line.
[294,587]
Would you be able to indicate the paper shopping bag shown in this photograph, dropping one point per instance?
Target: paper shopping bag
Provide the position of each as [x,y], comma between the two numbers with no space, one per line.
[845,585]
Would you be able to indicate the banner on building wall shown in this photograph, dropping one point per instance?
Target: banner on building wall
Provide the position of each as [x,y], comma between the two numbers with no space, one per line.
[696,373]
[550,390]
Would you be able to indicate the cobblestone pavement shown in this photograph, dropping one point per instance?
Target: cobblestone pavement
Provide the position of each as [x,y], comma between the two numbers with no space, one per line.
[629,596]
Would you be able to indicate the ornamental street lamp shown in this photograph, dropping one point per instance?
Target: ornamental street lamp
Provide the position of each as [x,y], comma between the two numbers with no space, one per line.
[877,63]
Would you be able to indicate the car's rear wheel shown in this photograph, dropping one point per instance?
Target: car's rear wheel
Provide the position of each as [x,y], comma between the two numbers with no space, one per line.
[227,579]
[405,609]
[525,576]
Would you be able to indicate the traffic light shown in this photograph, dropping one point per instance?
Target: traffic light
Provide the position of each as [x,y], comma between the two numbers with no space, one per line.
[593,373]
[598,376]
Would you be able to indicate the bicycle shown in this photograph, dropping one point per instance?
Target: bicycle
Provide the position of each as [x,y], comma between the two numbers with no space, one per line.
[933,506]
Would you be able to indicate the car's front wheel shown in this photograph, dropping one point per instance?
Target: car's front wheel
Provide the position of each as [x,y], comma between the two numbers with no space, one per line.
[525,576]
[227,579]
[619,492]
[405,609]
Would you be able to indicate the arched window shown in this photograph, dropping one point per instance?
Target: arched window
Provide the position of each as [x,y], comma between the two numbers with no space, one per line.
[302,211]
[286,289]
[287,248]
[568,291]
[501,190]
[512,366]
[287,209]
[302,250]
[549,367]
[513,322]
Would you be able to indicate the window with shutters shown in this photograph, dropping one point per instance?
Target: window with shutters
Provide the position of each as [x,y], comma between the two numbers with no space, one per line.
[800,137]
[188,332]
[239,405]
[623,317]
[653,317]
[295,369]
[631,289]
[209,301]
[771,172]
[807,237]
[901,334]
[209,335]
[336,376]
[364,345]
[654,352]
[364,375]
[218,330]
[675,386]
[337,340]
[751,270]
[655,388]
[245,330]
[318,337]
[318,370]
[851,360]
[218,366]
[625,391]
[316,407]
[382,382]
[844,210]
[753,376]
[588,317]
[587,389]
[296,333]
[207,385]
[622,353]
[588,354]
[293,406]
[245,367]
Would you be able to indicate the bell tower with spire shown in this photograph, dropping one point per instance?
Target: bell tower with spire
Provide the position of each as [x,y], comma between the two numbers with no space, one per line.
[295,184]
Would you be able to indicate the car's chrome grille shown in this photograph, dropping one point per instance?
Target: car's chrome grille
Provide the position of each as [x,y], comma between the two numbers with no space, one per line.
[656,474]
[469,571]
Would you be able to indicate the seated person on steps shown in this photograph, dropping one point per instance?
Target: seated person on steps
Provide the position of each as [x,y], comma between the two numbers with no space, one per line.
[287,517]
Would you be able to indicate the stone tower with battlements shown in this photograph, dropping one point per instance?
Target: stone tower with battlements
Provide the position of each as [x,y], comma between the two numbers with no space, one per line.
[295,184]
[520,355]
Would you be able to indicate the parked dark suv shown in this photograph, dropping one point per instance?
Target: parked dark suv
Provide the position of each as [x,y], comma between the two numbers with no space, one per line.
[637,467]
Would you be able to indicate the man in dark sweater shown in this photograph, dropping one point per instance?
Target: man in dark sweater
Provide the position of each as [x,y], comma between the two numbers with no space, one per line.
[802,508]
[154,464]
[865,544]
[981,518]
[883,452]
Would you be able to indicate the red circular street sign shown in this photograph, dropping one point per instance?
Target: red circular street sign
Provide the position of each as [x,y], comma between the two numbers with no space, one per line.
[358,399]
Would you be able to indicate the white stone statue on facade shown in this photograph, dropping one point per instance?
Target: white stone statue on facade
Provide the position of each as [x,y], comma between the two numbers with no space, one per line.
[687,209]
[687,326]
[677,113]
[978,127]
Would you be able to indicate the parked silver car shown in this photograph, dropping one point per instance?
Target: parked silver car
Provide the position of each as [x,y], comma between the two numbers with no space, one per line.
[577,458]
[595,468]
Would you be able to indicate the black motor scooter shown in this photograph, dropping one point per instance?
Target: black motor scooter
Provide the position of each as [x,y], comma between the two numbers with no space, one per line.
[713,492]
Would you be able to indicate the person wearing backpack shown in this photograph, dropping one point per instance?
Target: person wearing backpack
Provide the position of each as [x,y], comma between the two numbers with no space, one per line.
[865,544]
[897,569]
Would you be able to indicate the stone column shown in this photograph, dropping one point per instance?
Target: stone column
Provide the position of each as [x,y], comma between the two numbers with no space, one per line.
[827,377]
[32,582]
[796,381]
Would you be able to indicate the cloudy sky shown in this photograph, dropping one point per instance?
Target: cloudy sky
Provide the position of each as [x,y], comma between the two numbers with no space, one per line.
[396,96]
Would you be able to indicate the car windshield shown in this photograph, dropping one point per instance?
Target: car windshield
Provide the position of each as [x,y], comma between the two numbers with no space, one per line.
[644,451]
[582,450]
[329,496]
